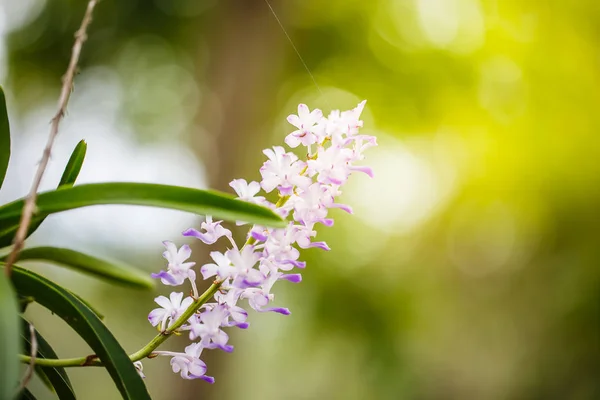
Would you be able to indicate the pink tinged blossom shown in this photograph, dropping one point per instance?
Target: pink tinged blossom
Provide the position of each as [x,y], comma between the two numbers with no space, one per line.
[212,231]
[362,143]
[309,207]
[352,120]
[304,236]
[208,328]
[328,199]
[259,298]
[172,309]
[305,122]
[247,190]
[189,364]
[331,166]
[282,171]
[177,270]
[237,315]
[243,261]
[279,250]
[221,268]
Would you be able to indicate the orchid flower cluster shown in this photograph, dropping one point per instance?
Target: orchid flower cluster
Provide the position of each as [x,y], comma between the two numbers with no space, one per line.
[306,191]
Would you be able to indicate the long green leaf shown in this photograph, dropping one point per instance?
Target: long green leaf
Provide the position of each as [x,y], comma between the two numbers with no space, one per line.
[9,339]
[4,137]
[87,303]
[87,325]
[204,202]
[68,178]
[55,376]
[111,271]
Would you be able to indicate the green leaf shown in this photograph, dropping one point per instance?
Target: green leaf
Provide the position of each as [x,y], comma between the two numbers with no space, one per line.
[4,137]
[84,301]
[68,178]
[73,167]
[110,271]
[204,202]
[55,376]
[9,339]
[87,325]
[26,395]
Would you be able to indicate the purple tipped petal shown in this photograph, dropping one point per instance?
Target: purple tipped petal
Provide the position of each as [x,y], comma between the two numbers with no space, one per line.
[297,264]
[366,170]
[320,245]
[191,232]
[208,379]
[243,325]
[206,238]
[326,221]
[286,190]
[164,275]
[258,236]
[344,207]
[245,284]
[279,310]
[227,348]
[334,181]
[295,278]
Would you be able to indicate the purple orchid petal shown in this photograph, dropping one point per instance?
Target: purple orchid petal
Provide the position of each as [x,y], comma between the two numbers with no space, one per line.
[207,378]
[334,181]
[245,284]
[279,310]
[297,264]
[286,190]
[205,237]
[258,236]
[344,207]
[295,278]
[366,170]
[227,348]
[192,232]
[164,275]
[320,245]
[243,325]
[326,221]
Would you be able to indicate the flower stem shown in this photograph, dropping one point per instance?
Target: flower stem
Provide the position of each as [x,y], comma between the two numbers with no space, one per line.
[92,361]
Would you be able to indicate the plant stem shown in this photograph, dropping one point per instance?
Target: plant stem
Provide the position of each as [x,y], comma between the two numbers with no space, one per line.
[161,337]
[144,352]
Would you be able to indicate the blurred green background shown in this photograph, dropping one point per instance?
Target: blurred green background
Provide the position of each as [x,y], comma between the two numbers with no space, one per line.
[471,268]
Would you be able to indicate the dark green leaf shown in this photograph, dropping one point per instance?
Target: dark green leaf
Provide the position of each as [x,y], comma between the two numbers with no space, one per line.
[9,339]
[74,165]
[4,137]
[84,301]
[26,395]
[55,376]
[204,202]
[111,271]
[87,325]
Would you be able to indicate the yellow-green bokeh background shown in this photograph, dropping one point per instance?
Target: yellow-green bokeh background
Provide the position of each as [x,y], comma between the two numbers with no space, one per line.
[471,268]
